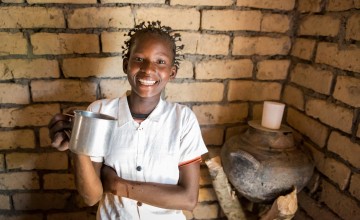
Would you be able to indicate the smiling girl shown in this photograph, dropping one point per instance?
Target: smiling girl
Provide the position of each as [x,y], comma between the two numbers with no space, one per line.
[152,169]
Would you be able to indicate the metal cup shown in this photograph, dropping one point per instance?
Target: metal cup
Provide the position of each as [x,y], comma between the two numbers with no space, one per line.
[91,133]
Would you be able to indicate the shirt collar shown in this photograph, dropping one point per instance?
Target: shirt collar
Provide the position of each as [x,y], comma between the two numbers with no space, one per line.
[124,115]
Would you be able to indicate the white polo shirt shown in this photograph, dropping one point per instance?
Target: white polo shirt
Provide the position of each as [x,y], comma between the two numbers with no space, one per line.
[148,152]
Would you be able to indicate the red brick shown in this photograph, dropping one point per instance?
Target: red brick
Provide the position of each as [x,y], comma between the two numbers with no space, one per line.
[224,69]
[339,5]
[63,90]
[44,161]
[272,69]
[32,115]
[11,43]
[113,88]
[344,206]
[353,27]
[268,4]
[44,137]
[29,69]
[253,91]
[314,208]
[98,67]
[112,42]
[323,25]
[185,70]
[261,45]
[227,20]
[221,114]
[176,18]
[205,211]
[61,1]
[205,178]
[202,2]
[19,181]
[355,185]
[17,139]
[294,97]
[331,114]
[14,93]
[196,43]
[347,90]
[344,147]
[275,23]
[4,203]
[335,170]
[212,136]
[347,58]
[42,201]
[309,5]
[303,48]
[313,78]
[317,132]
[59,181]
[207,195]
[102,17]
[194,92]
[2,162]
[31,17]
[64,43]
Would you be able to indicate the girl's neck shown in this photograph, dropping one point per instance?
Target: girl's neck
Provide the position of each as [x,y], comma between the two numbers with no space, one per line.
[142,106]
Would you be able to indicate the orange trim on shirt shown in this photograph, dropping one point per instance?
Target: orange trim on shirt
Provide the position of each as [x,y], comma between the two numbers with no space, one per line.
[197,159]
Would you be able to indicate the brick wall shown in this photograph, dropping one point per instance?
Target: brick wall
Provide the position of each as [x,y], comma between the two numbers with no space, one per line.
[61,54]
[323,97]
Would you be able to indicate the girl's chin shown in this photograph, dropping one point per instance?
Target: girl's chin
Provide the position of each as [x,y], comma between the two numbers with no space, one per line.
[147,94]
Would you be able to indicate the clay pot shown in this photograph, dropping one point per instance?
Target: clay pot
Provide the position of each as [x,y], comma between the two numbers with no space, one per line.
[263,164]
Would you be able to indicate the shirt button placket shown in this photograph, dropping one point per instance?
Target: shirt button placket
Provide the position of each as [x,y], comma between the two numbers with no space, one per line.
[139,166]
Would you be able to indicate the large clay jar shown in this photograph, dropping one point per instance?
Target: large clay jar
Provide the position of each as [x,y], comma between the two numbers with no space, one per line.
[263,164]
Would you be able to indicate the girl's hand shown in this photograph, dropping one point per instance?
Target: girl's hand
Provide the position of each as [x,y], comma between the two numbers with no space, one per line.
[60,130]
[109,179]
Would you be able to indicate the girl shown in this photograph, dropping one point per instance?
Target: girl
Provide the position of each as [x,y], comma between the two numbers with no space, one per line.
[153,166]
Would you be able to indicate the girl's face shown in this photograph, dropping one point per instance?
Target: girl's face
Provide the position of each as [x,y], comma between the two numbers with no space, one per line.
[150,65]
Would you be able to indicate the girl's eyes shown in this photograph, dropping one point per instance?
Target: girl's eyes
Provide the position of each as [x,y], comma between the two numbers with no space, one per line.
[138,59]
[161,62]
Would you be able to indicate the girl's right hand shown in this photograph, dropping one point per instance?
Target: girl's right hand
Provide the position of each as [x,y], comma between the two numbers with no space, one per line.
[59,130]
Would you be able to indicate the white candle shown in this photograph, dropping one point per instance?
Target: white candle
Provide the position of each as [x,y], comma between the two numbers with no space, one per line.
[272,114]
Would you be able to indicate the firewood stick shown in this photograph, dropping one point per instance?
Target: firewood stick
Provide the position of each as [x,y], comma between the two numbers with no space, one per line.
[284,208]
[227,199]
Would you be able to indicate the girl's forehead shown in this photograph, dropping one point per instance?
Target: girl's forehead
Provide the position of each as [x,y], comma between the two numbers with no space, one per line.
[145,39]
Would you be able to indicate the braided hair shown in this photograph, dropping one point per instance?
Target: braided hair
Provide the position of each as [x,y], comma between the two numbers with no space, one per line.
[156,28]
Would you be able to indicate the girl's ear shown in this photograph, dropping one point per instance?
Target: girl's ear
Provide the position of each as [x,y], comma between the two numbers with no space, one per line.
[125,65]
[173,72]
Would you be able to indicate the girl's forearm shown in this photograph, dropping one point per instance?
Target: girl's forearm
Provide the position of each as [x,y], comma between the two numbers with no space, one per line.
[87,179]
[160,195]
[182,196]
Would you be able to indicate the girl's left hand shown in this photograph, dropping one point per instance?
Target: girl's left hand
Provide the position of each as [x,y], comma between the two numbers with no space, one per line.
[109,179]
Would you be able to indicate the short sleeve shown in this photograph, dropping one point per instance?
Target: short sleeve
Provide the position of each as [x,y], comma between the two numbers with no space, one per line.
[191,142]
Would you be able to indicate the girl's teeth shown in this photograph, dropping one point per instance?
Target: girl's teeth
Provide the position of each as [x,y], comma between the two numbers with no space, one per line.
[147,82]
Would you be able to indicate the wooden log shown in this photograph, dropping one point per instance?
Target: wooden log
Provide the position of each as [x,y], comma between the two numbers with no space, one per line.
[284,208]
[226,196]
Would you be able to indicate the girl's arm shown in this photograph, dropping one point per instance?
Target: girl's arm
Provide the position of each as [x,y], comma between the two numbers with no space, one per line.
[183,196]
[87,179]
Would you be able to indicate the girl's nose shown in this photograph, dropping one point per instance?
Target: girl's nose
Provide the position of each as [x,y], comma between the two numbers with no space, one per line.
[148,67]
